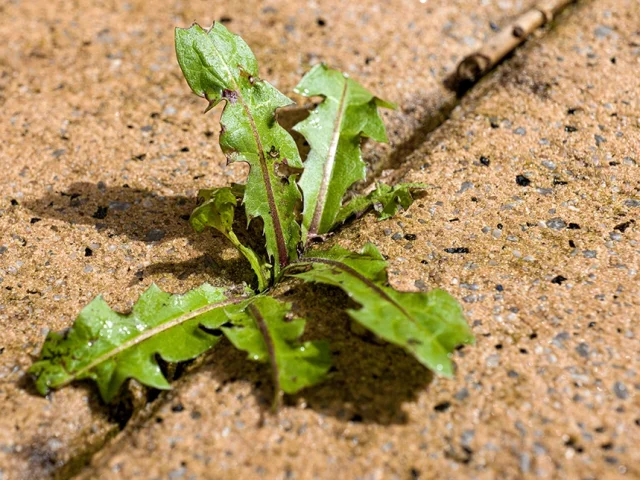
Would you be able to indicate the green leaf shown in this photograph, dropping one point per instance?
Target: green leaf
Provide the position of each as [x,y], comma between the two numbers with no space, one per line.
[217,210]
[385,200]
[334,130]
[219,66]
[428,325]
[261,326]
[109,347]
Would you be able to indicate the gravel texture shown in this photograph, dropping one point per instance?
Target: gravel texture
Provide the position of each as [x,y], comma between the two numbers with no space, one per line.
[533,226]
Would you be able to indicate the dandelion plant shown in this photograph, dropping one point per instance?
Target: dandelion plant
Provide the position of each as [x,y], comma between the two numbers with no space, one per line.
[298,203]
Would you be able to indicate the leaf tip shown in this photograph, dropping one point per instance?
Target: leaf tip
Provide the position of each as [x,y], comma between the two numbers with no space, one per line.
[386,104]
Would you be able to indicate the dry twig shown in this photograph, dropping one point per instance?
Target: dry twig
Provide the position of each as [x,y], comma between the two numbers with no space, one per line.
[473,67]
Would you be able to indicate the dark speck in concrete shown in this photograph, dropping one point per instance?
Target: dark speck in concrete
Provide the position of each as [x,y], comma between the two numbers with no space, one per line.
[560,338]
[599,140]
[583,350]
[119,206]
[396,236]
[457,250]
[522,181]
[101,212]
[621,227]
[558,279]
[556,223]
[154,235]
[461,394]
[620,390]
[465,186]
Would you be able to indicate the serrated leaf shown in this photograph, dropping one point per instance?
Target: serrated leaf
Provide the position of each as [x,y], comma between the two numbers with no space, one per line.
[428,325]
[217,210]
[386,201]
[109,347]
[219,65]
[334,130]
[261,327]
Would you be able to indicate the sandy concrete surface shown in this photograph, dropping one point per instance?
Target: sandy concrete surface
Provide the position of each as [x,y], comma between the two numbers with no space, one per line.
[536,174]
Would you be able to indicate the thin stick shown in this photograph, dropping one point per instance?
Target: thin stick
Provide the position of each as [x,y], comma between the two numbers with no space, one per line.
[440,102]
[473,67]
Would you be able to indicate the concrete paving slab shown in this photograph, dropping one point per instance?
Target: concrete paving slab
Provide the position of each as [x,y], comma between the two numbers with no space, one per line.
[103,149]
[533,225]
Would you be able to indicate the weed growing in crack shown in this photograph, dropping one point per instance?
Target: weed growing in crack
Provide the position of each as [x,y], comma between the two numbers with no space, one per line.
[299,204]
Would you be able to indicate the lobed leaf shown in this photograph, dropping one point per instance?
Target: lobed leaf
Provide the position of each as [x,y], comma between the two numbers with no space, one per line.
[334,131]
[109,347]
[428,325]
[219,65]
[261,327]
[385,200]
[217,210]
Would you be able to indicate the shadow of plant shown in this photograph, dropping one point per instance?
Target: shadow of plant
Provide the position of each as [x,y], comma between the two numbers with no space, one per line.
[369,382]
[370,379]
[137,213]
[143,216]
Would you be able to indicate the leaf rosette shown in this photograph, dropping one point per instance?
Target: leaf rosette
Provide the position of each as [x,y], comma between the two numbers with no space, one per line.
[294,209]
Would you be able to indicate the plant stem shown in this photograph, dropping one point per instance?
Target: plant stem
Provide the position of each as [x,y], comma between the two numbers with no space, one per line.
[271,350]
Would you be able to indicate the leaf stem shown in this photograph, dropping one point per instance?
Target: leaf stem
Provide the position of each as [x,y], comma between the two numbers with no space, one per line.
[271,350]
[283,254]
[354,273]
[251,257]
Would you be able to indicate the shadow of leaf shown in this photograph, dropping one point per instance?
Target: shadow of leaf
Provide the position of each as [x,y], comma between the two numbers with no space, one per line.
[370,379]
[139,214]
[143,216]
